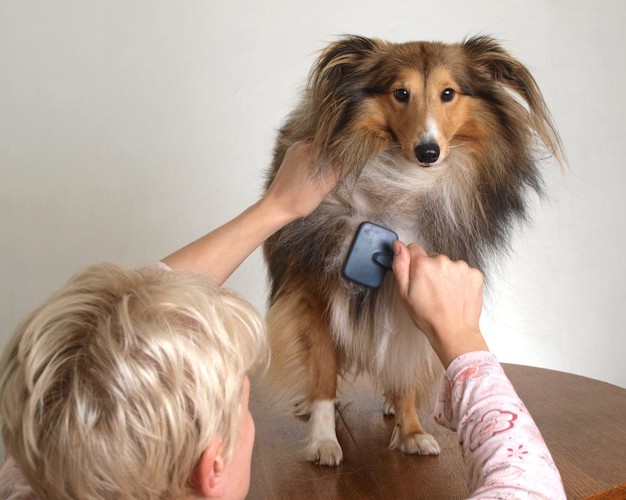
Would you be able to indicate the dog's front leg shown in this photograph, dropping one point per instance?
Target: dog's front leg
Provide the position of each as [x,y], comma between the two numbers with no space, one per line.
[322,446]
[409,435]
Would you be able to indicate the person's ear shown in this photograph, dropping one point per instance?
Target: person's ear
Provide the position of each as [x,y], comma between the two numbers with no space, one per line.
[208,473]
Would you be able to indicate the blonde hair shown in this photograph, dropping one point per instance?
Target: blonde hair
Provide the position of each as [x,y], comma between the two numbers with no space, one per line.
[116,384]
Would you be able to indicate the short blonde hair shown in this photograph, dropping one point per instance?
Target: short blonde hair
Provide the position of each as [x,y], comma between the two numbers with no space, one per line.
[115,385]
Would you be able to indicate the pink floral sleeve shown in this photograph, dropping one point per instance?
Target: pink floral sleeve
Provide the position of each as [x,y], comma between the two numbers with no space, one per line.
[505,455]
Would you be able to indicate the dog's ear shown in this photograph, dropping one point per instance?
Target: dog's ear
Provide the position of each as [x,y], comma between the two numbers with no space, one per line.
[342,59]
[496,66]
[337,87]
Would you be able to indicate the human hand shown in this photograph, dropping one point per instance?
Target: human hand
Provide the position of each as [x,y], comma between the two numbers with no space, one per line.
[443,298]
[297,189]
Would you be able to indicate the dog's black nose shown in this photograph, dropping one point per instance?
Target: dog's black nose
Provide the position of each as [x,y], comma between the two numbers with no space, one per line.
[427,153]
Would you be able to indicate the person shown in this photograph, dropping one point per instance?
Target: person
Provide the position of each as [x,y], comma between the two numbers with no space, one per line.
[143,392]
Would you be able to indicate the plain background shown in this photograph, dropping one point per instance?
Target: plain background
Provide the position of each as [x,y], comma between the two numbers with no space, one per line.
[129,128]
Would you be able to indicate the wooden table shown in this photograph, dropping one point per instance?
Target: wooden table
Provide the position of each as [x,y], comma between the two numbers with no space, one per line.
[582,420]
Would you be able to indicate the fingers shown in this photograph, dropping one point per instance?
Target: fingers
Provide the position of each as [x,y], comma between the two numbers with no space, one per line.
[324,179]
[401,266]
[411,261]
[406,262]
[328,180]
[299,148]
[419,260]
[417,250]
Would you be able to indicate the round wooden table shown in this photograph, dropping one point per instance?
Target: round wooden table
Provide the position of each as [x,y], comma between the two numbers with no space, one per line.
[583,421]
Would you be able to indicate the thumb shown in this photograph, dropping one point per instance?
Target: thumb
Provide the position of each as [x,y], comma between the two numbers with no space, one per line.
[401,266]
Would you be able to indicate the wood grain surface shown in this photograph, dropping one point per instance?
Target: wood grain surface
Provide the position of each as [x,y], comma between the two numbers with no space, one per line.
[582,420]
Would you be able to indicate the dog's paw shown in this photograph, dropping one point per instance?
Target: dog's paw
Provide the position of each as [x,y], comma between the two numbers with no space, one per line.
[415,444]
[324,452]
[388,408]
[322,445]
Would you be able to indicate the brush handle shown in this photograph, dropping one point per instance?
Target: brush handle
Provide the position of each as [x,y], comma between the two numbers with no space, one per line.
[384,259]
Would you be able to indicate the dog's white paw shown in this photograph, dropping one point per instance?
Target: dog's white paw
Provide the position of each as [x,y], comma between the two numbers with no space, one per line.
[325,452]
[322,446]
[388,408]
[415,444]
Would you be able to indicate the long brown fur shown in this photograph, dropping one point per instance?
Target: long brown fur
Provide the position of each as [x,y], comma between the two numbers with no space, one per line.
[371,108]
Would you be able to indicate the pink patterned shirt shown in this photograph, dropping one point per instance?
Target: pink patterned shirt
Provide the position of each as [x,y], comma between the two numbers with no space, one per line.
[505,455]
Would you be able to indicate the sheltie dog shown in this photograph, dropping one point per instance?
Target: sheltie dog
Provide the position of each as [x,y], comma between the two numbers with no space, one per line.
[439,142]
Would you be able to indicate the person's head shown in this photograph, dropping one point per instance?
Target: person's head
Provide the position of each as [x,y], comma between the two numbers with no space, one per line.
[129,383]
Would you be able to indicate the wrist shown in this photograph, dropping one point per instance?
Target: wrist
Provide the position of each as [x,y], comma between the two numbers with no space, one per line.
[449,346]
[272,213]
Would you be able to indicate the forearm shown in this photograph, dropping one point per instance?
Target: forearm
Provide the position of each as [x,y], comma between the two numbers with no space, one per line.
[503,451]
[222,250]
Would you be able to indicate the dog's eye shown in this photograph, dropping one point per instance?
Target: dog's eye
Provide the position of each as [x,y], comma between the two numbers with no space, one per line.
[402,95]
[447,95]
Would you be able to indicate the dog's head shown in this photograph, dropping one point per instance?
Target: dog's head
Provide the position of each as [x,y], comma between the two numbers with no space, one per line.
[424,100]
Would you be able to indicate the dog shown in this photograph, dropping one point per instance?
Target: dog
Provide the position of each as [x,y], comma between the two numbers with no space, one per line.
[441,143]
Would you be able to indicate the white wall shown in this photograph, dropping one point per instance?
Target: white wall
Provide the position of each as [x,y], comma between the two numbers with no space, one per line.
[129,128]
